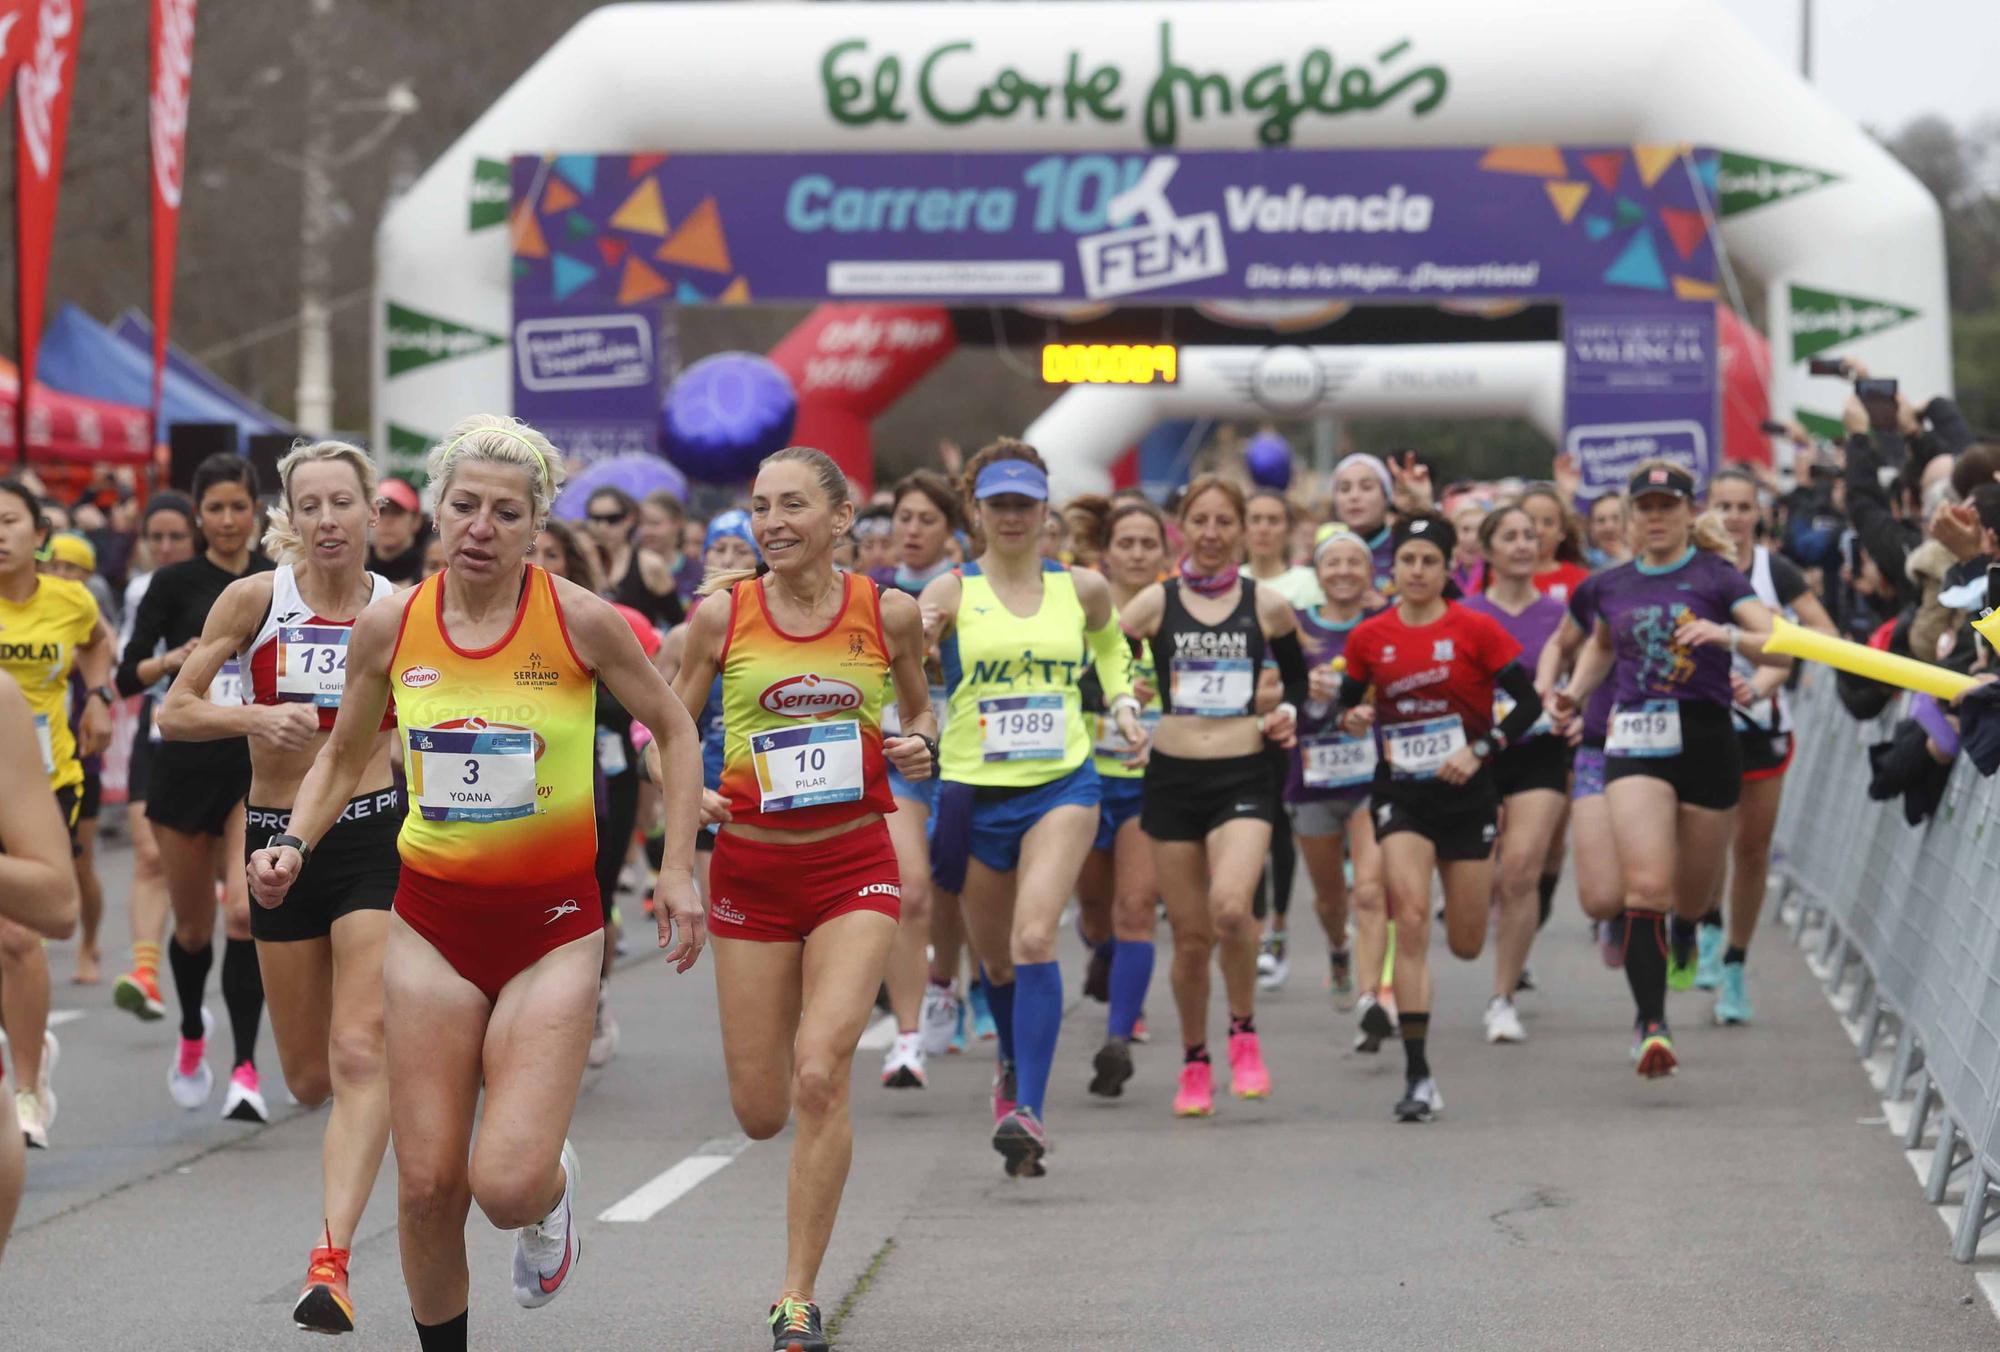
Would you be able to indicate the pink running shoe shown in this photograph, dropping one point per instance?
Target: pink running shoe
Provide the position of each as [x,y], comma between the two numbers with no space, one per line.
[1003,1092]
[1197,1092]
[1247,1077]
[245,1100]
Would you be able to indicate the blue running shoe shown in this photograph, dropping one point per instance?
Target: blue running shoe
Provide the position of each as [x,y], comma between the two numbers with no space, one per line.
[982,1017]
[1732,1005]
[1708,957]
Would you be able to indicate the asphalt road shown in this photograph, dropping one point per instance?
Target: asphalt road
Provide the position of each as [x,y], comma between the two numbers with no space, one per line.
[1755,1201]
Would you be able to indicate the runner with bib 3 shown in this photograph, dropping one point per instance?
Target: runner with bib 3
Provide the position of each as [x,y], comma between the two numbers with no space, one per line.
[1211,794]
[1673,766]
[1434,667]
[1016,636]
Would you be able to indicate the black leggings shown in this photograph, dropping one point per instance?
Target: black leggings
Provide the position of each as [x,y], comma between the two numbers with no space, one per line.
[614,834]
[1284,854]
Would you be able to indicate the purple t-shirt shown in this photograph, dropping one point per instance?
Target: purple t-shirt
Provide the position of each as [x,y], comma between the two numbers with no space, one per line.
[1532,628]
[1644,609]
[1321,642]
[1596,713]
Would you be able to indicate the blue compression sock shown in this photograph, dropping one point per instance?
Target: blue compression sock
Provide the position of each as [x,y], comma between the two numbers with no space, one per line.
[1131,974]
[1037,1019]
[1000,1004]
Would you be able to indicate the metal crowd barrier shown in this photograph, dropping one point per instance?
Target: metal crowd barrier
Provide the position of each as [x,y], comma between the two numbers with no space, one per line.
[1911,917]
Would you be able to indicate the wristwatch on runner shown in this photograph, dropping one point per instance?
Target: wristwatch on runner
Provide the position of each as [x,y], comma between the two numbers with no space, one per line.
[1482,747]
[277,841]
[105,693]
[930,745]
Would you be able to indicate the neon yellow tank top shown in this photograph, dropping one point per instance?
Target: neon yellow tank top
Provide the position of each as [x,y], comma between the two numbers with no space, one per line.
[38,642]
[497,748]
[1016,716]
[1107,743]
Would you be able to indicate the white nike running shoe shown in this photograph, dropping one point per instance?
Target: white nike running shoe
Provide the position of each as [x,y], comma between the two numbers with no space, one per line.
[545,1253]
[1503,1022]
[939,1018]
[903,1067]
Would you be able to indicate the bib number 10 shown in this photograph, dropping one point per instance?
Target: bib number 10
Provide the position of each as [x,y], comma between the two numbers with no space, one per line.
[807,766]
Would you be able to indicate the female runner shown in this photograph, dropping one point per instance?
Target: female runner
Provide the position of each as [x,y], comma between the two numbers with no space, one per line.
[805,878]
[1559,569]
[490,970]
[169,534]
[51,625]
[1532,774]
[633,575]
[198,820]
[1434,667]
[1362,493]
[320,952]
[1016,638]
[1210,792]
[1673,764]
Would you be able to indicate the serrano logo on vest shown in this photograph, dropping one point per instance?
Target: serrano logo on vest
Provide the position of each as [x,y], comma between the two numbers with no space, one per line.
[416,678]
[809,696]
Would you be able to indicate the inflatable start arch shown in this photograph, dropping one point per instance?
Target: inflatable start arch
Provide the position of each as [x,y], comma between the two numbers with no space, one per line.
[1161,153]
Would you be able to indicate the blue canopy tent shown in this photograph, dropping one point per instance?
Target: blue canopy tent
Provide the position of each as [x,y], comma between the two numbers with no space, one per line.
[134,330]
[81,356]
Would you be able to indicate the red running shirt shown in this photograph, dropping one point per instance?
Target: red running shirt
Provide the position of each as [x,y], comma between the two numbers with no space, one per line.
[1561,581]
[1433,670]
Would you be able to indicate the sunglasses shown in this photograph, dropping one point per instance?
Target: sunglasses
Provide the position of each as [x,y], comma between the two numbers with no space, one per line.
[608,518]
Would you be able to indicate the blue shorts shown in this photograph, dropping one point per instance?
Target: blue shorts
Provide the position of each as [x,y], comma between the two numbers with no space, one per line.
[1586,773]
[1000,818]
[923,792]
[1120,803]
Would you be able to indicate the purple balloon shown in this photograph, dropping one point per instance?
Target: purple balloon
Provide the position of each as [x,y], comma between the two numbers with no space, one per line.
[1269,457]
[637,475]
[725,414]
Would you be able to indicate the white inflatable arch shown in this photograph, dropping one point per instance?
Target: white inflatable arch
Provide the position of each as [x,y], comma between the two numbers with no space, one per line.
[1838,225]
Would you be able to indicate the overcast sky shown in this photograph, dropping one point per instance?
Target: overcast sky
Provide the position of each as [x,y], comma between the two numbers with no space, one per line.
[1883,62]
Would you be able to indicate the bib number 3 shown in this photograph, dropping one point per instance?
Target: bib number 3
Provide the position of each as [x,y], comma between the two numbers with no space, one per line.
[457,775]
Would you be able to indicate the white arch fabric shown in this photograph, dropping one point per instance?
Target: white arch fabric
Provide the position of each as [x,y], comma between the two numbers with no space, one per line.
[1838,226]
[1089,427]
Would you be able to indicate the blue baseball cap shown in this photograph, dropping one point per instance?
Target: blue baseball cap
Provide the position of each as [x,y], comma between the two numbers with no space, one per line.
[1011,476]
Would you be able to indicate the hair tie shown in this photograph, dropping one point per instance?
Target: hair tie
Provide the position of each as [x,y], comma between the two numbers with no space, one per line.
[548,480]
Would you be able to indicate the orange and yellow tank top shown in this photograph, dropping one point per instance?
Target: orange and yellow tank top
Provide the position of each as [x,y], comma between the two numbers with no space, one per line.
[497,748]
[802,713]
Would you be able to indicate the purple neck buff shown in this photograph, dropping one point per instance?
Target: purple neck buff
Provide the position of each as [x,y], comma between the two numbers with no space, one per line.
[1208,584]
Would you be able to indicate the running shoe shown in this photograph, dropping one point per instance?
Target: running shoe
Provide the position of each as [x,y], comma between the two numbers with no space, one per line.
[44,1088]
[1097,975]
[1732,1003]
[940,1014]
[1653,1051]
[959,1041]
[323,1305]
[982,1017]
[189,1078]
[1421,1101]
[1611,942]
[138,992]
[545,1253]
[1708,944]
[1112,1066]
[34,1127]
[245,1100]
[1680,968]
[1248,1079]
[1273,967]
[795,1327]
[603,1032]
[1340,980]
[1022,1140]
[1196,1095]
[1503,1021]
[1003,1091]
[1375,1025]
[903,1066]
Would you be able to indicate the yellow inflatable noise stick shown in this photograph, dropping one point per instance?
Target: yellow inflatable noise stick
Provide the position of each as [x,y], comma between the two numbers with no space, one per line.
[1795,640]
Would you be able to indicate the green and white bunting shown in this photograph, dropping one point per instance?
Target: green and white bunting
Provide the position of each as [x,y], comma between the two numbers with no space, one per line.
[417,339]
[489,194]
[1744,182]
[1823,319]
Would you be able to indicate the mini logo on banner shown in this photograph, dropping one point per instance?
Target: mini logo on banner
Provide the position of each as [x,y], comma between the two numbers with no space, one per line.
[41,82]
[173,70]
[1165,251]
[809,696]
[584,352]
[416,678]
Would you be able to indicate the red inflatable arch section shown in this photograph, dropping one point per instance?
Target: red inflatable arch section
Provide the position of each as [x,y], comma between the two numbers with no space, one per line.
[848,363]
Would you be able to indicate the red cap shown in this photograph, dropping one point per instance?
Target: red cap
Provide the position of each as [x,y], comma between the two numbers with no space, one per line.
[399,492]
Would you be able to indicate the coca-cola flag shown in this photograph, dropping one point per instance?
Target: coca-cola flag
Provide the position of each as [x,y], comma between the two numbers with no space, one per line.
[41,122]
[167,116]
[14,33]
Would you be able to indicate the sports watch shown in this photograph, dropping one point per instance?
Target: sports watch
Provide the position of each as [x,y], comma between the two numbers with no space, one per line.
[281,840]
[1482,747]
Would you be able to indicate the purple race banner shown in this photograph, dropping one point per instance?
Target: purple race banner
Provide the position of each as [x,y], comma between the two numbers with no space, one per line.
[589,377]
[1408,224]
[1641,384]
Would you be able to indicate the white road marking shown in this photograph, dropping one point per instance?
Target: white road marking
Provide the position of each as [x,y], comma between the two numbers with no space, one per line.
[880,1035]
[655,1196]
[59,1017]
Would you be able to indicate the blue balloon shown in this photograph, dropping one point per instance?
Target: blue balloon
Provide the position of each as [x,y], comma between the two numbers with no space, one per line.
[725,414]
[1269,457]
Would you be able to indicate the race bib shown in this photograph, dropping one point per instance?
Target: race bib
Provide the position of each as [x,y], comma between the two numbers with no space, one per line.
[1503,704]
[227,687]
[611,757]
[1106,740]
[312,664]
[1419,750]
[1330,760]
[1022,727]
[1213,687]
[1651,729]
[807,765]
[47,746]
[467,775]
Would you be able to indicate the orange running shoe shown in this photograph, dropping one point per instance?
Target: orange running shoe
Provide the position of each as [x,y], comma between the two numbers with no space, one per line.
[138,992]
[323,1305]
